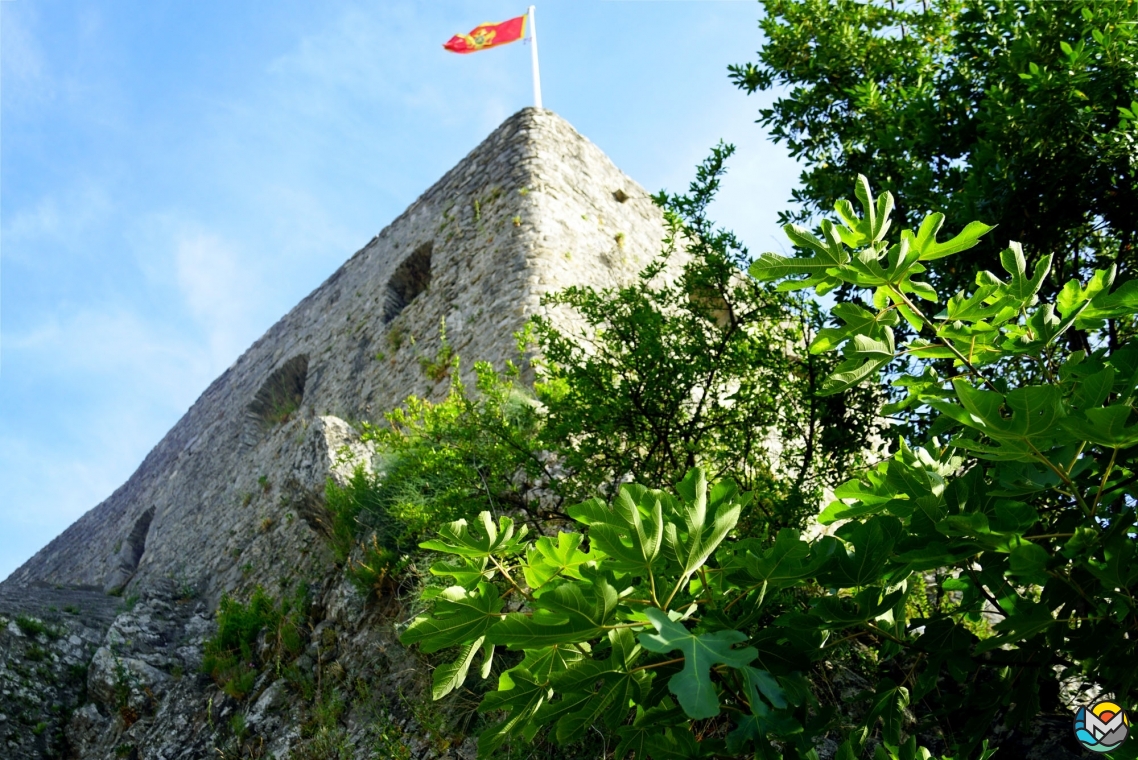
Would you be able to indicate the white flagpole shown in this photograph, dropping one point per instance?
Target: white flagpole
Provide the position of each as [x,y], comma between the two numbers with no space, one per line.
[533,57]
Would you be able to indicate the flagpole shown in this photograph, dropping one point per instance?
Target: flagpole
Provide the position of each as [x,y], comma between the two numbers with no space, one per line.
[533,57]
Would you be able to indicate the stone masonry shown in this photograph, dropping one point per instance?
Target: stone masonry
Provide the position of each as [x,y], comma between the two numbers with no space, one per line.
[535,207]
[231,496]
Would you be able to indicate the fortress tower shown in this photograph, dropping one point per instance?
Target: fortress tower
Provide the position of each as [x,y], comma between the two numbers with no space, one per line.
[534,208]
[230,497]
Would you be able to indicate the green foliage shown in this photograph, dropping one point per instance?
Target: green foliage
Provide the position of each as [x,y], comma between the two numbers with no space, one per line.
[438,461]
[278,405]
[580,610]
[1029,497]
[442,461]
[658,622]
[251,635]
[124,685]
[1018,112]
[323,737]
[34,627]
[445,360]
[692,685]
[129,602]
[696,364]
[345,503]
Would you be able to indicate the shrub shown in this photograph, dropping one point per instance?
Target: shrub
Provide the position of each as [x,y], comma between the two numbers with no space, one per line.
[1018,110]
[439,461]
[34,627]
[234,655]
[703,368]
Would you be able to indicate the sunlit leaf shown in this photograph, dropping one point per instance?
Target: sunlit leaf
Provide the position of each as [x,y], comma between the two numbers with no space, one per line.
[457,616]
[692,686]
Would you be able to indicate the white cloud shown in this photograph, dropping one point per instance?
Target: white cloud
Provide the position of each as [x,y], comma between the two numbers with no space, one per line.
[46,488]
[85,396]
[65,217]
[22,63]
[219,291]
[391,56]
[116,344]
[41,220]
[367,54]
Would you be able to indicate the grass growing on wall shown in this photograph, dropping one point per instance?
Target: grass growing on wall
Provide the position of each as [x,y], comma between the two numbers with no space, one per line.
[251,635]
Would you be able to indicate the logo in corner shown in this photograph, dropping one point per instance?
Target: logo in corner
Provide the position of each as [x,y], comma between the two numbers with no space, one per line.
[1102,727]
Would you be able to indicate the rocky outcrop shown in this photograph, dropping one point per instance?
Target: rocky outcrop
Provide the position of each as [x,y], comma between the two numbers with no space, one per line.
[48,636]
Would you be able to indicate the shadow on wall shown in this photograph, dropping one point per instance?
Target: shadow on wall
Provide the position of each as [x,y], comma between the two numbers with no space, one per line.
[281,394]
[129,554]
[411,278]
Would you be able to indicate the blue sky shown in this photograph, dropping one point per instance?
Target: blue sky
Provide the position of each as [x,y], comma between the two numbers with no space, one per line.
[176,176]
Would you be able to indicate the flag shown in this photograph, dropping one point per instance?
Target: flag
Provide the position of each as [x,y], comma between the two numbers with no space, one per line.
[488,35]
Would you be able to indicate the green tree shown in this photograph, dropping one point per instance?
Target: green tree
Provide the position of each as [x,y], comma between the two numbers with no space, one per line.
[976,571]
[1023,509]
[1019,113]
[701,367]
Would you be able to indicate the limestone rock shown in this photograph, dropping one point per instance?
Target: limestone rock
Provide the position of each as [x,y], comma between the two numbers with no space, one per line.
[48,636]
[124,682]
[84,729]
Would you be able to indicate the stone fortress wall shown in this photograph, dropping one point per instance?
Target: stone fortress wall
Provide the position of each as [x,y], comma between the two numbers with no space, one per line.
[534,208]
[102,632]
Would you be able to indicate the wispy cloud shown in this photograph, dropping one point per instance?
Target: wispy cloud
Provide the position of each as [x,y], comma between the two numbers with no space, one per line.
[22,64]
[366,54]
[218,290]
[63,217]
[389,58]
[86,394]
[89,345]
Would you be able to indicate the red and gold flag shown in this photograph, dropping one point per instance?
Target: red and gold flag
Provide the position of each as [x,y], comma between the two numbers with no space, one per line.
[488,35]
